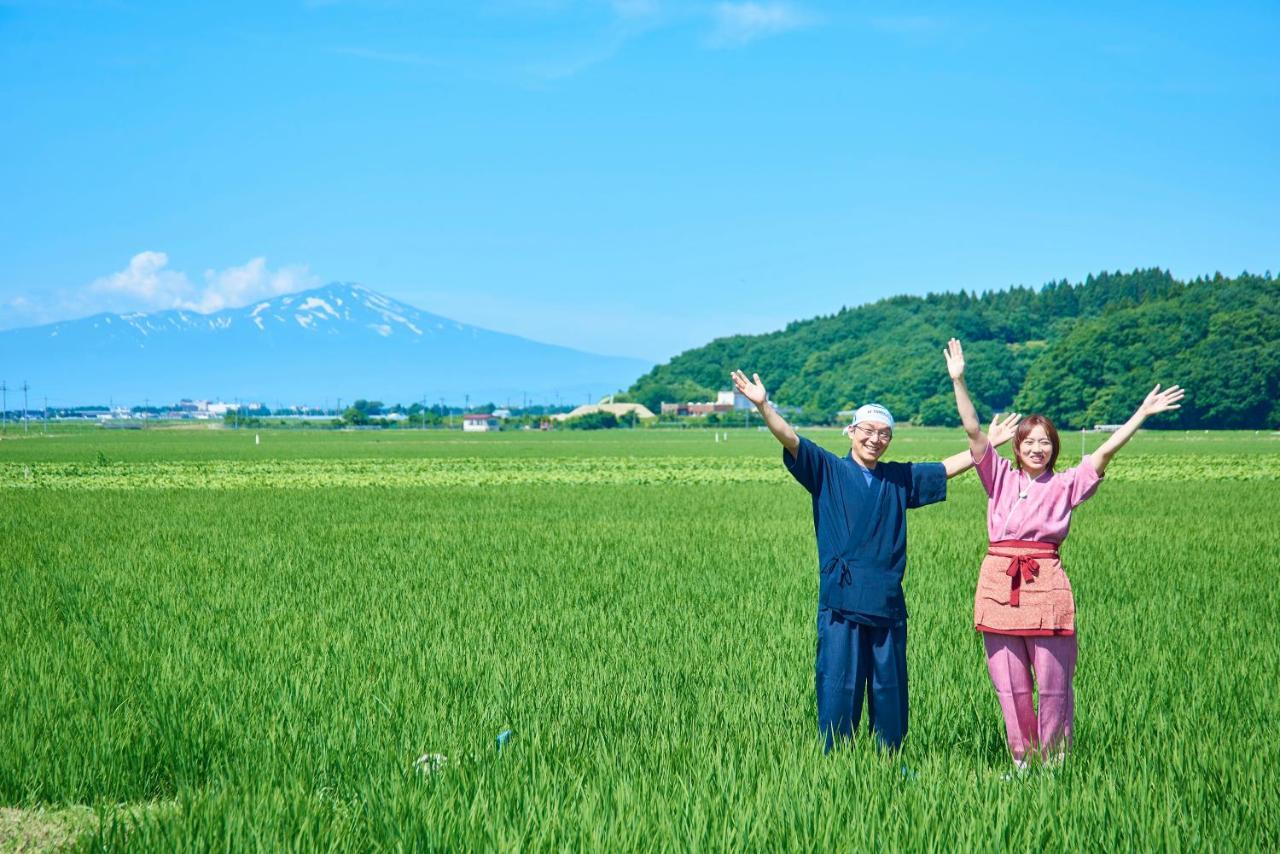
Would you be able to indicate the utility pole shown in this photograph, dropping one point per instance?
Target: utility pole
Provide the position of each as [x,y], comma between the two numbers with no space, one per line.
[4,407]
[24,405]
[46,414]
[424,412]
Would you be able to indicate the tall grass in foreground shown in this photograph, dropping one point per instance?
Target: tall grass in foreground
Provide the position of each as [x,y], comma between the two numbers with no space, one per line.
[274,660]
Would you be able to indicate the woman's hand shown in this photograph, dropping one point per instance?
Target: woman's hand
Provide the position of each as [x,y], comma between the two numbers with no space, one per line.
[1002,430]
[1158,401]
[753,391]
[954,354]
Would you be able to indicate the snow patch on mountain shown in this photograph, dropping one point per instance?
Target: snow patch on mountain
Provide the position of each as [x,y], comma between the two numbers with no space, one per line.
[336,339]
[316,302]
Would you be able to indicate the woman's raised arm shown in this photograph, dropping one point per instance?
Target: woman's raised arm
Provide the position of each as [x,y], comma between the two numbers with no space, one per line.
[1157,401]
[954,354]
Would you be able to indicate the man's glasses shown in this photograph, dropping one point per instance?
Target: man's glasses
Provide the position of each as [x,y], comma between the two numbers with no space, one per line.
[871,433]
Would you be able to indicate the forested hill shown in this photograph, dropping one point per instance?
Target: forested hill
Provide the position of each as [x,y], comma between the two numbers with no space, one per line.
[1083,354]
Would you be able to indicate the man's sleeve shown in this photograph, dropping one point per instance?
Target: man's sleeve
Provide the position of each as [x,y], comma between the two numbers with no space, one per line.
[928,484]
[808,466]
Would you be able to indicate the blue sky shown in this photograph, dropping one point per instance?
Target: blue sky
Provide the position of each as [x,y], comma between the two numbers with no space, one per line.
[632,177]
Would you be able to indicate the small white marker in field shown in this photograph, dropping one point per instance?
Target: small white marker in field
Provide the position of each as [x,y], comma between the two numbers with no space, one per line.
[257,440]
[431,763]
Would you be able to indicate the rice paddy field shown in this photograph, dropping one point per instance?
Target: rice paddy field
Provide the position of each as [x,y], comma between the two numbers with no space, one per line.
[212,642]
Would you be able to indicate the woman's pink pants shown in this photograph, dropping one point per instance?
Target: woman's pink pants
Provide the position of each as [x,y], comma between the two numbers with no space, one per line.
[1010,661]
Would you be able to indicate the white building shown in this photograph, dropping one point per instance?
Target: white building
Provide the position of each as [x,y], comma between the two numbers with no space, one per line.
[480,423]
[734,398]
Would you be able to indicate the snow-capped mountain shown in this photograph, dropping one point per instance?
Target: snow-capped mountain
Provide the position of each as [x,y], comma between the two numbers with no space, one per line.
[340,340]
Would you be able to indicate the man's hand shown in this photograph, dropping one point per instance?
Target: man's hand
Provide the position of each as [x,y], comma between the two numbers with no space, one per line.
[1002,431]
[753,390]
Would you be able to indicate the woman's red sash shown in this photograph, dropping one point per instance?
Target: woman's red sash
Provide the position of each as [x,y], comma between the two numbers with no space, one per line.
[1023,568]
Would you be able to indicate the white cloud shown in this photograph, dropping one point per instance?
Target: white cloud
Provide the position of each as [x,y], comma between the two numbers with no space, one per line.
[145,282]
[738,24]
[628,20]
[236,286]
[148,283]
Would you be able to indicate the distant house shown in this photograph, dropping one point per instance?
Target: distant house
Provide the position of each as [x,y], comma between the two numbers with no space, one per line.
[618,409]
[480,423]
[726,401]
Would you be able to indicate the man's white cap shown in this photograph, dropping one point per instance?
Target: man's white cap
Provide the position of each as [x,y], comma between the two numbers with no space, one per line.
[872,412]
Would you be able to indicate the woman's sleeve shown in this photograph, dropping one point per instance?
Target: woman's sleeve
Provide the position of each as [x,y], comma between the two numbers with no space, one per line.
[1083,483]
[991,468]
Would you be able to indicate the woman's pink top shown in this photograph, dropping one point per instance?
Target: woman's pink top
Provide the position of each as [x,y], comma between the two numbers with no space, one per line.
[1044,515]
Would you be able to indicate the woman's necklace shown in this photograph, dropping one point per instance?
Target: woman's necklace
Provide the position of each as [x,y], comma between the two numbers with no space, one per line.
[1024,492]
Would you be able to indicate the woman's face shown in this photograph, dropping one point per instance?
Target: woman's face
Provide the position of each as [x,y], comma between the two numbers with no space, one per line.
[1035,450]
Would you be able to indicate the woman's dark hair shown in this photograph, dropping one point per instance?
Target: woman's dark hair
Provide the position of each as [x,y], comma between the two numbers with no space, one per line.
[1025,426]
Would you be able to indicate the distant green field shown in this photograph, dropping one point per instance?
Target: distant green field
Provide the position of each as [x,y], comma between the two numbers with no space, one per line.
[203,442]
[265,657]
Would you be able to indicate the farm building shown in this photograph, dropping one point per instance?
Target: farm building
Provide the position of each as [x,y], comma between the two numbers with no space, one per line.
[618,409]
[480,423]
[726,401]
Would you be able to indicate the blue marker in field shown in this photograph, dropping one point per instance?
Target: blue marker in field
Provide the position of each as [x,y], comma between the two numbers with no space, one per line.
[503,738]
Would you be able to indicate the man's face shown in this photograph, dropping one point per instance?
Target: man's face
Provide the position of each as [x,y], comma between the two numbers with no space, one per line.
[870,440]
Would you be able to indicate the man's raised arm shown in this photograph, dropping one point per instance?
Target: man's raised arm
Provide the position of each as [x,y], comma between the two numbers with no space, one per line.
[753,390]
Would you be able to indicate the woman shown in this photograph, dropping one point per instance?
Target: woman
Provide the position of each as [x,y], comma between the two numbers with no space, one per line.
[1023,606]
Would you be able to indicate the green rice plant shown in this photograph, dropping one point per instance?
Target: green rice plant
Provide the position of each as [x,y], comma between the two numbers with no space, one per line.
[521,471]
[269,656]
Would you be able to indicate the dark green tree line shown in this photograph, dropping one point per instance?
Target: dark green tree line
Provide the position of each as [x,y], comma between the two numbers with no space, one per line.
[1081,353]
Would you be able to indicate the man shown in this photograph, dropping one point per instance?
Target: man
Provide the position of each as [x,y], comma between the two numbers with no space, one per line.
[859,517]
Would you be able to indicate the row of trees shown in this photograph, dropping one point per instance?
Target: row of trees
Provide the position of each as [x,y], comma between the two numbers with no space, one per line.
[1081,353]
